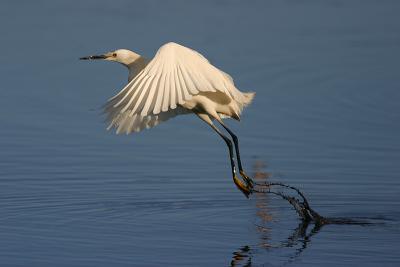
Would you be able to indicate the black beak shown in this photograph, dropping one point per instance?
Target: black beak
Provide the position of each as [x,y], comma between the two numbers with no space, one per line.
[93,57]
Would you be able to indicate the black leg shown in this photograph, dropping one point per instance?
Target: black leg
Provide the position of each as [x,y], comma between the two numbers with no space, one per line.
[230,148]
[236,142]
[245,189]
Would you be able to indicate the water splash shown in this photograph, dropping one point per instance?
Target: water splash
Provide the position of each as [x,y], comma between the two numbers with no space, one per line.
[302,206]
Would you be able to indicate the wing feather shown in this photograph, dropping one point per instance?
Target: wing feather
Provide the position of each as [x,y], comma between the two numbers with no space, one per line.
[166,94]
[178,87]
[144,96]
[173,76]
[161,92]
[173,98]
[191,87]
[134,97]
[120,97]
[182,85]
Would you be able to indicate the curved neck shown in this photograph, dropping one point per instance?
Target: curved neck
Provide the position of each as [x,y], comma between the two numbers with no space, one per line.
[134,62]
[136,66]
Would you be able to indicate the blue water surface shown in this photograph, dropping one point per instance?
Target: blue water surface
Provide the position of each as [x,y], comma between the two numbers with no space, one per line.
[326,118]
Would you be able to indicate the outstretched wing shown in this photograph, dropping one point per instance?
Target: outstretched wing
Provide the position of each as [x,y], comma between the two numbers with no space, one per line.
[173,76]
[125,123]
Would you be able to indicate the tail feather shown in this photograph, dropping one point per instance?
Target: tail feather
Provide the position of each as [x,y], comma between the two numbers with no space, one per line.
[248,97]
[237,107]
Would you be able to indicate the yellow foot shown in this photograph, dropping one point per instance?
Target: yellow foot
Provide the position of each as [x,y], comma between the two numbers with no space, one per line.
[242,187]
[247,179]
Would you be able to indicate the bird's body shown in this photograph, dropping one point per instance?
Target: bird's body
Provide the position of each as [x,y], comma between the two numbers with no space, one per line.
[178,80]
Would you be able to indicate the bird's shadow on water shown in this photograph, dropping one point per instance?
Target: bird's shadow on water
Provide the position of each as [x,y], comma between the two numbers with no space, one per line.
[311,222]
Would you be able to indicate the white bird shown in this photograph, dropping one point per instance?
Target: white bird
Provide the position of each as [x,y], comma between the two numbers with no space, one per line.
[178,80]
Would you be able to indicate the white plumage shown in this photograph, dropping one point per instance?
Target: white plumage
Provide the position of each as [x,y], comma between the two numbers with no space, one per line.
[178,80]
[160,90]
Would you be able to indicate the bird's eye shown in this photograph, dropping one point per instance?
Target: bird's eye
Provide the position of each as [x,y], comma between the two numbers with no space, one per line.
[115,55]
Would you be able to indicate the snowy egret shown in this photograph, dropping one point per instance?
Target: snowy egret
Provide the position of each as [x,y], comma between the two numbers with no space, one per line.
[178,80]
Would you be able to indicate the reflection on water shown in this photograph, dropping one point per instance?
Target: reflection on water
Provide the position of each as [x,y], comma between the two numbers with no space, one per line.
[299,238]
[301,235]
[261,176]
[242,257]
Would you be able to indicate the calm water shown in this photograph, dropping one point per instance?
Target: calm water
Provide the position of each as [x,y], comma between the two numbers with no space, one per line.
[326,119]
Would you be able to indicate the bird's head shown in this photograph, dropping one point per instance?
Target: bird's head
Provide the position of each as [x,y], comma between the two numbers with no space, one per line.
[123,56]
